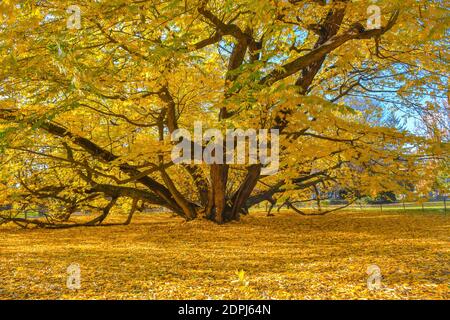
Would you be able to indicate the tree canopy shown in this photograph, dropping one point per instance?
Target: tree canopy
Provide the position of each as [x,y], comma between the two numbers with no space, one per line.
[87,111]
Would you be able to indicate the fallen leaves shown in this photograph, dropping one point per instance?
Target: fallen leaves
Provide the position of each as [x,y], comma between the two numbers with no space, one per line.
[282,257]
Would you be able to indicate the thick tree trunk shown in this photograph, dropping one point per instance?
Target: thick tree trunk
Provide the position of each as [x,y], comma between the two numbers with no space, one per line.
[222,209]
[217,203]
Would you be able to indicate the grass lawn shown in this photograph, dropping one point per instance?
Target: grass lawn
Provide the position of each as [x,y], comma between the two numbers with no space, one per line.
[283,257]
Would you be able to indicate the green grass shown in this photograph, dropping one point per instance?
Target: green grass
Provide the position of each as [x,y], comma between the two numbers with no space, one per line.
[430,207]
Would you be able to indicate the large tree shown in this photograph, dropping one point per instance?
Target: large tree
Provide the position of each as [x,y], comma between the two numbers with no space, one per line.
[87,111]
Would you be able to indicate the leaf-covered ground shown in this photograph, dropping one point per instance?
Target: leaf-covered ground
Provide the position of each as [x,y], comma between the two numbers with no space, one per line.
[282,257]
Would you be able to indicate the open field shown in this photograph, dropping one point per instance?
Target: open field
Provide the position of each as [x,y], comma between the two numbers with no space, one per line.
[283,257]
[407,207]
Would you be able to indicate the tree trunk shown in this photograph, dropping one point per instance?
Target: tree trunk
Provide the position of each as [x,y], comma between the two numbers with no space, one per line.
[216,210]
[222,209]
[241,196]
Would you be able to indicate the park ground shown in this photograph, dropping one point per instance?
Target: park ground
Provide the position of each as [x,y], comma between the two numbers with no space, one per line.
[283,257]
